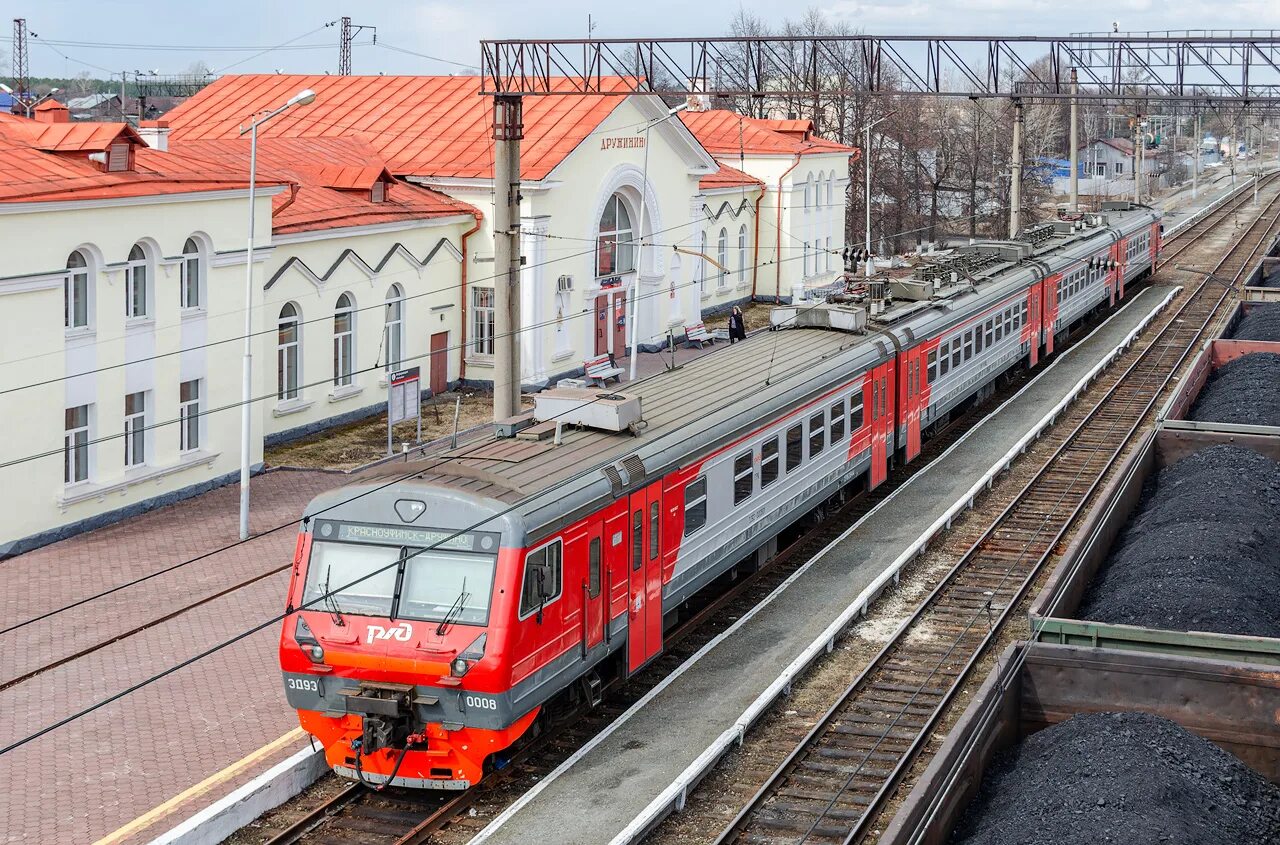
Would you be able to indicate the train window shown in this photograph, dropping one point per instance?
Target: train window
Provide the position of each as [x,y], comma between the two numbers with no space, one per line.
[933,365]
[855,412]
[593,568]
[795,446]
[542,578]
[977,340]
[769,462]
[695,505]
[999,327]
[637,539]
[744,482]
[944,365]
[837,422]
[968,346]
[655,523]
[989,328]
[1022,320]
[817,432]
[955,352]
[358,578]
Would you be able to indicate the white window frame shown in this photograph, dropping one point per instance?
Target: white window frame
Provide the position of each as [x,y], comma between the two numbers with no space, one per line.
[75,447]
[738,475]
[137,278]
[135,431]
[289,354]
[482,320]
[393,326]
[621,240]
[77,277]
[191,276]
[742,254]
[806,273]
[189,419]
[690,503]
[722,256]
[702,263]
[344,341]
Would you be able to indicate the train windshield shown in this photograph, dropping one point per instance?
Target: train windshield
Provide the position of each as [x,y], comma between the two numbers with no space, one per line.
[352,578]
[436,581]
[360,579]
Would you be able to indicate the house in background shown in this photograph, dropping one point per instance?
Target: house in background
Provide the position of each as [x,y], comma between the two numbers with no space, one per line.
[101,106]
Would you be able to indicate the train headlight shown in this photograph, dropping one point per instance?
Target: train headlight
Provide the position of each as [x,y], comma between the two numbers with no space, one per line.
[472,653]
[459,667]
[315,652]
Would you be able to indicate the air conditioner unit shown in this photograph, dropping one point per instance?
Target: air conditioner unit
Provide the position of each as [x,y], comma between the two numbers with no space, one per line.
[564,283]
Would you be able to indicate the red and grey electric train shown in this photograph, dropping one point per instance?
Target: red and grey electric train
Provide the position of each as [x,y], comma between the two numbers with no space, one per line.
[517,574]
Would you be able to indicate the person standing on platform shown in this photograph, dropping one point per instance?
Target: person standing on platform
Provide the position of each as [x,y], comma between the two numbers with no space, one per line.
[737,326]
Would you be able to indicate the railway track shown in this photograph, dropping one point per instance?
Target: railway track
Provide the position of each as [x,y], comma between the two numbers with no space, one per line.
[842,772]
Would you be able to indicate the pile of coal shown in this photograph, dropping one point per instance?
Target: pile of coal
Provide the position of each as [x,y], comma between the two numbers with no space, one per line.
[1245,391]
[1262,322]
[1270,280]
[1201,552]
[1122,778]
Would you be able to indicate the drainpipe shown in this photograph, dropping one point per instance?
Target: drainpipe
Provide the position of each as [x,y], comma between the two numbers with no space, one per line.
[755,247]
[777,246]
[462,361]
[293,195]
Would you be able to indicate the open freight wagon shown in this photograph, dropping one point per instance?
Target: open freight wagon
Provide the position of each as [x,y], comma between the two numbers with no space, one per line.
[1037,685]
[1054,613]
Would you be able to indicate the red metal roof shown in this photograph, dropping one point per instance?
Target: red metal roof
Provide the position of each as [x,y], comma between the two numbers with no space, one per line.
[727,133]
[330,178]
[431,126]
[85,136]
[728,177]
[40,168]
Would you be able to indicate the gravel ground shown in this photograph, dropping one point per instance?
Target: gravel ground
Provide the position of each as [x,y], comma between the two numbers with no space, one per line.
[1245,391]
[1202,551]
[1121,778]
[1261,323]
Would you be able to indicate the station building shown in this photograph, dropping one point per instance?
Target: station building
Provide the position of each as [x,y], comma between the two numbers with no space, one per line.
[373,251]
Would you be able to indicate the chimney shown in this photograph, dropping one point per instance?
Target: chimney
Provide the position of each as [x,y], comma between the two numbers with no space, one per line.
[51,111]
[155,133]
[699,100]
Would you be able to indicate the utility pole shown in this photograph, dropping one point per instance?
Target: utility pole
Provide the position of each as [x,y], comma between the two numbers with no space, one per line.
[508,130]
[346,35]
[20,88]
[1015,185]
[1075,152]
[1195,169]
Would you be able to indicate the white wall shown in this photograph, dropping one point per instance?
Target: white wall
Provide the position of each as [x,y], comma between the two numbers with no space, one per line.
[86,366]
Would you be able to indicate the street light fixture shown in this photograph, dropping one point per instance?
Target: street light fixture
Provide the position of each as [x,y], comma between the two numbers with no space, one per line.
[304,97]
[28,105]
[644,193]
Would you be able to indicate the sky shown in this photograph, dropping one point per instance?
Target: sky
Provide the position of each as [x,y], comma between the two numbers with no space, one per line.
[449,31]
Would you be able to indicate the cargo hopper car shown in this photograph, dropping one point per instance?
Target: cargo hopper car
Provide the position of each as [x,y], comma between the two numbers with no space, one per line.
[514,577]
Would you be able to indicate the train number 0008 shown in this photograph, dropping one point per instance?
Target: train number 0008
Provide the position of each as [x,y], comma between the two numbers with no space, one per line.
[303,684]
[481,703]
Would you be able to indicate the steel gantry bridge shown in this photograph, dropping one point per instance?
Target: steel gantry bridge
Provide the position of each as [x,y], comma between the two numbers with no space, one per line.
[1197,70]
[1197,66]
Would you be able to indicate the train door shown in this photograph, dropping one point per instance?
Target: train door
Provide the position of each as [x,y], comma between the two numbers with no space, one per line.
[1032,330]
[644,612]
[617,564]
[1121,249]
[879,440]
[1050,288]
[911,407]
[594,591]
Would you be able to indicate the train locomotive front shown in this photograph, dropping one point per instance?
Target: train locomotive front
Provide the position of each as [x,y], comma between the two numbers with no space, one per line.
[393,656]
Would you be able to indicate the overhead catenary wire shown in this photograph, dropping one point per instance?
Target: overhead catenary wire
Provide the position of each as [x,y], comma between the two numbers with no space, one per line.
[318,600]
[275,394]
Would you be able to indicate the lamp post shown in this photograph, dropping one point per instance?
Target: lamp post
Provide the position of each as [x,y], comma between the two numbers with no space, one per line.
[302,98]
[866,160]
[644,193]
[28,105]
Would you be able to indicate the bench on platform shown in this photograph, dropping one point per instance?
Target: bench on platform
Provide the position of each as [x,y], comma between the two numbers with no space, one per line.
[600,369]
[697,333]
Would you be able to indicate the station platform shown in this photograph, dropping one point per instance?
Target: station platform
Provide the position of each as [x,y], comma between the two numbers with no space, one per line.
[126,772]
[623,781]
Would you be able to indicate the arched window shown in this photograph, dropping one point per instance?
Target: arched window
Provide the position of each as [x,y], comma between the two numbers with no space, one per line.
[615,252]
[75,292]
[135,283]
[818,202]
[343,336]
[742,255]
[287,358]
[831,191]
[192,281]
[808,192]
[394,339]
[702,262]
[722,257]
